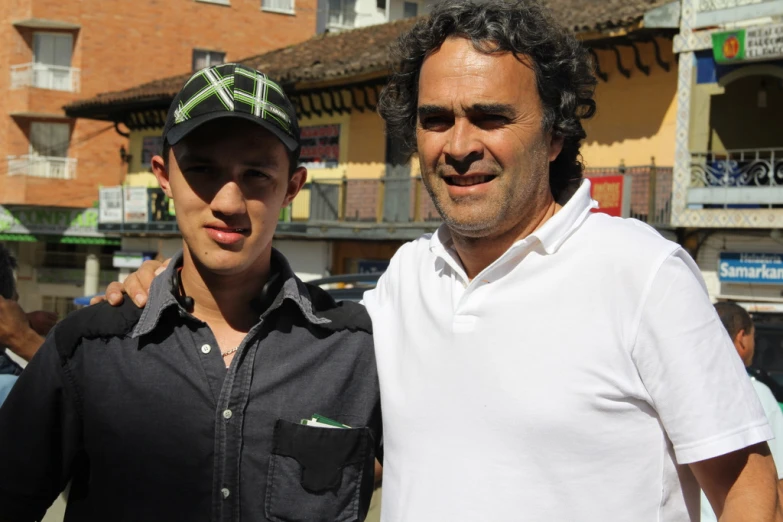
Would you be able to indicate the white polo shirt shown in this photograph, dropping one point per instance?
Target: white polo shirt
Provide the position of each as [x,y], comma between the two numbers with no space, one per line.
[569,381]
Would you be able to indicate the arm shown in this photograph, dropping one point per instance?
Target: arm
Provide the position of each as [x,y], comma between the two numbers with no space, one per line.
[137,285]
[40,437]
[741,485]
[16,332]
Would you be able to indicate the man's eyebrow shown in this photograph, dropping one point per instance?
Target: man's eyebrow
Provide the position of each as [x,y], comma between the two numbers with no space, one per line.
[500,109]
[430,110]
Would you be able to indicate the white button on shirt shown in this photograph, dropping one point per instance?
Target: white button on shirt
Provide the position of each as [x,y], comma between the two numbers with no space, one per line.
[205,349]
[570,388]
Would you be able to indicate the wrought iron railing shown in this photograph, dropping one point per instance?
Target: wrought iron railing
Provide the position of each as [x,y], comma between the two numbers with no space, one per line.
[42,166]
[651,190]
[54,77]
[737,168]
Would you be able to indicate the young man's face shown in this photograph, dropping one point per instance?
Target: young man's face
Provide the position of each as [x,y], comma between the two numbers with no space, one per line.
[229,179]
[483,151]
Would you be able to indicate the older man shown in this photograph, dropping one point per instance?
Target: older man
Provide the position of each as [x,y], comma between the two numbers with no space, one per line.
[538,361]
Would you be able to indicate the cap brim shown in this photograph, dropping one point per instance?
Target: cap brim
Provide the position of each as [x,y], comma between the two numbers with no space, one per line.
[179,131]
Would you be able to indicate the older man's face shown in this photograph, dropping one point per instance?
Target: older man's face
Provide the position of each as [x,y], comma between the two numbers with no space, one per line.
[483,150]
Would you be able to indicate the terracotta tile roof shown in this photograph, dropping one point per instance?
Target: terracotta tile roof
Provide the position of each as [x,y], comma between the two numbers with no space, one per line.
[348,53]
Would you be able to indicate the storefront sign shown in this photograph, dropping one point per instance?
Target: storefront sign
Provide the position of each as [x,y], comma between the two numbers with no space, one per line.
[612,194]
[750,268]
[136,206]
[110,205]
[320,146]
[764,42]
[49,221]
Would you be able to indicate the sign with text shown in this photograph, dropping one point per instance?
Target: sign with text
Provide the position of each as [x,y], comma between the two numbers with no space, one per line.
[764,42]
[612,194]
[136,205]
[110,205]
[320,146]
[49,221]
[750,268]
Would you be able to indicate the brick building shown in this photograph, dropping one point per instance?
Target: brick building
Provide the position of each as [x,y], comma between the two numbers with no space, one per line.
[53,53]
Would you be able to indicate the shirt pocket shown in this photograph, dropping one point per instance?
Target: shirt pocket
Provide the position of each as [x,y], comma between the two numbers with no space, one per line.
[319,474]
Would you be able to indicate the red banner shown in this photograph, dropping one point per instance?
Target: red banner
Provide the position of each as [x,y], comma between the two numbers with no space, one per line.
[608,192]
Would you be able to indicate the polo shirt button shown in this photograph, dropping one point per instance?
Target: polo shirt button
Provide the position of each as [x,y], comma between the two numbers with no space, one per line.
[225,492]
[227,414]
[205,348]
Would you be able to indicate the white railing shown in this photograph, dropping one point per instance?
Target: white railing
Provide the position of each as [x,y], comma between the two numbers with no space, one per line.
[54,77]
[42,166]
[282,6]
[714,5]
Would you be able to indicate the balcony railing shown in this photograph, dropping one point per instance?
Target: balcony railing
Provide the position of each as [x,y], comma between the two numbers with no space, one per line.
[42,166]
[718,12]
[737,178]
[388,200]
[54,77]
[651,191]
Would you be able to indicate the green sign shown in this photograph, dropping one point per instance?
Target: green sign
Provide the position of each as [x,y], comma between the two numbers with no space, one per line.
[764,42]
[49,221]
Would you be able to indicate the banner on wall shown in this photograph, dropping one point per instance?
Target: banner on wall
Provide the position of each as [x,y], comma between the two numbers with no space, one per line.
[136,206]
[110,205]
[613,194]
[320,146]
[764,42]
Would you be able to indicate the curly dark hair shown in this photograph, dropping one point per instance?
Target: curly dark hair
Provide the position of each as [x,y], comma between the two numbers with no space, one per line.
[564,71]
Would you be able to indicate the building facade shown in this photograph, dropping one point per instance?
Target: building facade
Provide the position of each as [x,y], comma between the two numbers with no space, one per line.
[728,176]
[51,164]
[363,198]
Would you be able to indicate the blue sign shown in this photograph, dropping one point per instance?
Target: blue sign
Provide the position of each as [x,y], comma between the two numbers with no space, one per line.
[750,268]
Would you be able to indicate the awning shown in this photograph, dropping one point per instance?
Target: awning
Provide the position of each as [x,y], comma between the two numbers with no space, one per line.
[43,23]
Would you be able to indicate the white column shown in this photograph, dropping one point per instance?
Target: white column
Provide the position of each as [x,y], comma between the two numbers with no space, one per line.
[92,271]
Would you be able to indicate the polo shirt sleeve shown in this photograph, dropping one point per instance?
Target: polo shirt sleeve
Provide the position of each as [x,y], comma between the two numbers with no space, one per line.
[694,377]
[40,436]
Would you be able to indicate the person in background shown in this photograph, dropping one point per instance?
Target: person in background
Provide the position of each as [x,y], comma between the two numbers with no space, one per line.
[739,325]
[20,332]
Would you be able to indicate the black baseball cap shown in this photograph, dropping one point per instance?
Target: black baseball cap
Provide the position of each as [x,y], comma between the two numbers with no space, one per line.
[236,91]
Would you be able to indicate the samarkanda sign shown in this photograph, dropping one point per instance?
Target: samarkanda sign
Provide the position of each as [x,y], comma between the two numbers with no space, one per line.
[764,42]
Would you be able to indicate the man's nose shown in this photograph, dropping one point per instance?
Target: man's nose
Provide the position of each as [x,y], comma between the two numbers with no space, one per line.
[229,199]
[463,143]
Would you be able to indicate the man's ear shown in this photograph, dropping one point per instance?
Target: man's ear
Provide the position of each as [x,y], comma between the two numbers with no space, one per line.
[555,146]
[295,183]
[162,173]
[739,343]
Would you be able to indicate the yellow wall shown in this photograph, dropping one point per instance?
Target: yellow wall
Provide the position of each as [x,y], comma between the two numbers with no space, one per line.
[636,117]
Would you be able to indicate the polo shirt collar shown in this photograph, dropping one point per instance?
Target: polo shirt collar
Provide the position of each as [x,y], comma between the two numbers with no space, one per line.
[283,283]
[551,235]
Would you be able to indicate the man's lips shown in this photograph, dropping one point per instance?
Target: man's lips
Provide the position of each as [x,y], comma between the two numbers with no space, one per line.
[468,180]
[226,235]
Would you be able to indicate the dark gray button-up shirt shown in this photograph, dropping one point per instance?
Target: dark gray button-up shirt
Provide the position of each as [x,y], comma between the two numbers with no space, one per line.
[140,412]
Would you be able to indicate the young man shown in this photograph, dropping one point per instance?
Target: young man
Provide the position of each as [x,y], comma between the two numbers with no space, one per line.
[739,325]
[191,410]
[537,361]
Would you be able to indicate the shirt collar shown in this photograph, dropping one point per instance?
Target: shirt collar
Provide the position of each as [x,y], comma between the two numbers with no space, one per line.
[551,235]
[283,284]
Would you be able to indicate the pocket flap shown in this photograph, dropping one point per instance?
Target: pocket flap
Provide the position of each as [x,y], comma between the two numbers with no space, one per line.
[321,452]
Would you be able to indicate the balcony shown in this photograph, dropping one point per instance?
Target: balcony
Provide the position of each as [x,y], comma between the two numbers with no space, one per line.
[42,166]
[41,76]
[718,12]
[736,179]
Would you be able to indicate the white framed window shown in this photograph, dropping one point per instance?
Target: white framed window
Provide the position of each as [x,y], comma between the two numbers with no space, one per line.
[278,6]
[52,53]
[49,139]
[203,58]
[342,13]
